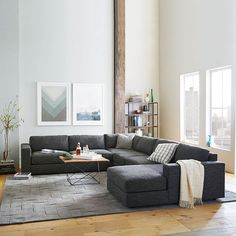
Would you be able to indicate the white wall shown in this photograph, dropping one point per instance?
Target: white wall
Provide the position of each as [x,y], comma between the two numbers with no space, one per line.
[195,35]
[142,46]
[65,41]
[9,86]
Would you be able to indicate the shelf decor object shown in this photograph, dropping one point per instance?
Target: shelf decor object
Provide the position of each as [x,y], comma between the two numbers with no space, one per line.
[151,95]
[147,98]
[54,105]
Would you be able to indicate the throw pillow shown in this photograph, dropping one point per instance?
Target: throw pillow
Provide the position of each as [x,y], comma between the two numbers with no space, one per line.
[124,141]
[163,153]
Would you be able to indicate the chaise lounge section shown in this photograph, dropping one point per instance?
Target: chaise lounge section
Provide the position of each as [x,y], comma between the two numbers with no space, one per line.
[147,185]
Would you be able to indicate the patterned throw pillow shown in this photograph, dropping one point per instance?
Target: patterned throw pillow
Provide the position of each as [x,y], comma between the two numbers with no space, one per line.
[163,153]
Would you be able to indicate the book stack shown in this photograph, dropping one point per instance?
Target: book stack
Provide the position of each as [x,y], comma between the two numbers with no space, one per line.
[7,167]
[136,98]
[22,175]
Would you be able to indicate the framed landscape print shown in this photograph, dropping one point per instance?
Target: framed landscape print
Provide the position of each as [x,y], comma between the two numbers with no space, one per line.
[88,104]
[54,103]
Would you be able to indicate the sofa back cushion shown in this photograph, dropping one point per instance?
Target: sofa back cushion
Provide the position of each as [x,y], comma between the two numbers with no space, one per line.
[144,144]
[110,140]
[93,141]
[212,157]
[55,142]
[124,141]
[190,152]
[160,141]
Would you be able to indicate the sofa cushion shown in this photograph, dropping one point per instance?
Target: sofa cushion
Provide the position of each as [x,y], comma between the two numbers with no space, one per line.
[104,153]
[130,157]
[184,151]
[137,178]
[124,151]
[163,153]
[110,140]
[144,144]
[138,160]
[118,159]
[55,142]
[39,158]
[159,141]
[120,155]
[124,141]
[93,141]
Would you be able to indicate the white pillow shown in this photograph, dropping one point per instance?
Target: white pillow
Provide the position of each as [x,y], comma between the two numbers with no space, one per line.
[163,153]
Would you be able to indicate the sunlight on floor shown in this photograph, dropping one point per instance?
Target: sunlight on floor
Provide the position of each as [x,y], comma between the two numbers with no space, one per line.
[230,182]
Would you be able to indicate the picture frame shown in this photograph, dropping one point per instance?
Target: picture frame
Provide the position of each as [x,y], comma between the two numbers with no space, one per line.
[88,104]
[53,103]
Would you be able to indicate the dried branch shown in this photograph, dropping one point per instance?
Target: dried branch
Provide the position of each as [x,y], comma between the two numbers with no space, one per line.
[8,116]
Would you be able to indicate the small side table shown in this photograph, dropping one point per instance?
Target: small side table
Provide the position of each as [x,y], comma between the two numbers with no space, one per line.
[7,168]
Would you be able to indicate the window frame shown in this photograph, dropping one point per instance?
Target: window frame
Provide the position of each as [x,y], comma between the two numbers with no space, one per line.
[183,136]
[209,106]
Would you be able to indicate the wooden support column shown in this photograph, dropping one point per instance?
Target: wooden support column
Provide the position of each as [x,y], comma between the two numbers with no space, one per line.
[119,70]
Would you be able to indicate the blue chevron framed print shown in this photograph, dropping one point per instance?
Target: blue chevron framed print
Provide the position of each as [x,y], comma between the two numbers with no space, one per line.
[88,104]
[54,103]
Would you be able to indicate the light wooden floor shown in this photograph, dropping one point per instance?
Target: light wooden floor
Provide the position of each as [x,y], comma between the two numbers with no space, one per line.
[208,219]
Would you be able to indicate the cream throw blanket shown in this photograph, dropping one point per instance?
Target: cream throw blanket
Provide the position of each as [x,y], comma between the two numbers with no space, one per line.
[191,182]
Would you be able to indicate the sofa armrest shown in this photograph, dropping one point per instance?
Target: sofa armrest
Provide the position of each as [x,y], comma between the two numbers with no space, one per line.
[212,157]
[172,172]
[25,157]
[214,180]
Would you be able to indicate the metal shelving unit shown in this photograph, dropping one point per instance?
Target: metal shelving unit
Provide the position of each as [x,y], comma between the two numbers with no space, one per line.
[137,118]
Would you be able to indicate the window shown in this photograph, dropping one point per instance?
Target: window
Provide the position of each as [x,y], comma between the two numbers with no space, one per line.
[189,102]
[219,107]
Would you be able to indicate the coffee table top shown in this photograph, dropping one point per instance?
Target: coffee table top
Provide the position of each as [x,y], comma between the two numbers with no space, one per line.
[85,158]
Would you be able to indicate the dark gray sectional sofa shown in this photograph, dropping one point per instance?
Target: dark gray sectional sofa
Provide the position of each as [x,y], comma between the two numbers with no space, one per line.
[131,178]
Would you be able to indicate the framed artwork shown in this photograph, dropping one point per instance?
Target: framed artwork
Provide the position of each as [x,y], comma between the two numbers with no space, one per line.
[54,103]
[88,104]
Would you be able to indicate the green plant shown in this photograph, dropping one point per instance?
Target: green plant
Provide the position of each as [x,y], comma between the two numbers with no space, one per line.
[9,121]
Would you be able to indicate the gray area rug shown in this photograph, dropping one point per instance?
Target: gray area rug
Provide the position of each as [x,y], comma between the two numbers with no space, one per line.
[47,197]
[229,197]
[50,197]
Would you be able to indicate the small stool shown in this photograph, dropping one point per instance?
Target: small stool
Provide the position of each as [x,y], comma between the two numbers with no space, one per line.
[138,185]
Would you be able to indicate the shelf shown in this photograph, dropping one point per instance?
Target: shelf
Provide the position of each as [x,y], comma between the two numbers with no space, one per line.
[142,102]
[148,115]
[142,114]
[141,127]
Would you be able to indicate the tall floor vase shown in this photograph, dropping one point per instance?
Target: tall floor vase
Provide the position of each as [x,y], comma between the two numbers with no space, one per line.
[6,134]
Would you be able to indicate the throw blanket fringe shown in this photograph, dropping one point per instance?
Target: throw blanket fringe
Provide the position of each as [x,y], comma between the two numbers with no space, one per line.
[191,183]
[187,204]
